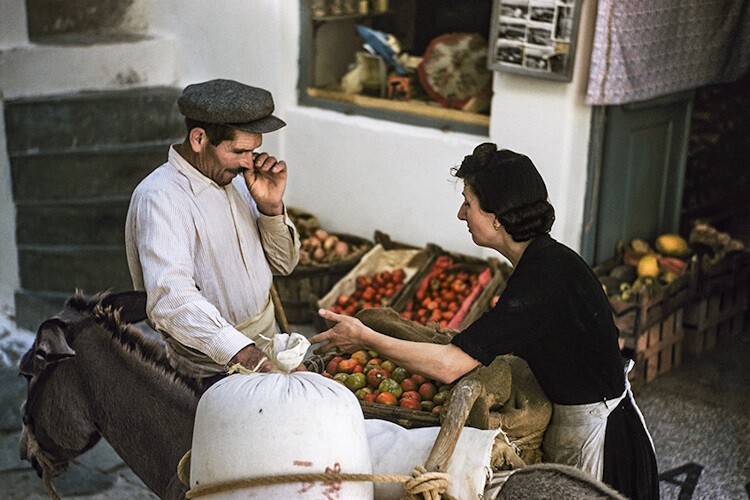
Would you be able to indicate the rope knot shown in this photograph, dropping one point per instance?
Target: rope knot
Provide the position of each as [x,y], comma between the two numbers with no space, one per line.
[431,485]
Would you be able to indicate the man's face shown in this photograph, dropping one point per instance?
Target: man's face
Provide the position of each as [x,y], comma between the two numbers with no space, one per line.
[229,158]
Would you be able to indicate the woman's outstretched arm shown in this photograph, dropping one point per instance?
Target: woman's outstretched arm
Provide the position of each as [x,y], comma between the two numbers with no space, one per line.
[445,363]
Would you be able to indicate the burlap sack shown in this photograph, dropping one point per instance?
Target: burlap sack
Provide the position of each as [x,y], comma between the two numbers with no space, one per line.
[512,400]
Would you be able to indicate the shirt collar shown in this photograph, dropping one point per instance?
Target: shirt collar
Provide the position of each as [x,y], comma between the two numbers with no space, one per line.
[198,181]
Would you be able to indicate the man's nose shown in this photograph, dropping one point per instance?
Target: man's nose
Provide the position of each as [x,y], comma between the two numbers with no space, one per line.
[460,214]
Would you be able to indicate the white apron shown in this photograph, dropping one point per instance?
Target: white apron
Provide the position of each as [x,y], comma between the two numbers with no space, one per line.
[575,435]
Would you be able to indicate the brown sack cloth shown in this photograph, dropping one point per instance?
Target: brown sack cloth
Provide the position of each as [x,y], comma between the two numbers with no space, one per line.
[513,400]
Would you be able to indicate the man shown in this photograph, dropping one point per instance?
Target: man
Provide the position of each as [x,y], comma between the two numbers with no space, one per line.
[206,230]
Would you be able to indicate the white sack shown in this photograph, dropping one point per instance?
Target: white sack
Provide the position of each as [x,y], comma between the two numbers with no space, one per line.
[266,424]
[395,450]
[287,351]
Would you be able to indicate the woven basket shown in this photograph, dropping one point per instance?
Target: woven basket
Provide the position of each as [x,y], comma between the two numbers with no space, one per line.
[300,291]
[404,417]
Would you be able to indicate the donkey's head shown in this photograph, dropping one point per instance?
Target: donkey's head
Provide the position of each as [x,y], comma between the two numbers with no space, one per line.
[57,415]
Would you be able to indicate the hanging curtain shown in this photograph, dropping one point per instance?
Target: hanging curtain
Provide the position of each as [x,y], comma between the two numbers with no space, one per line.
[649,48]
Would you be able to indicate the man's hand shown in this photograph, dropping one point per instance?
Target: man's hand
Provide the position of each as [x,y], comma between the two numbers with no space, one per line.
[348,333]
[251,357]
[267,182]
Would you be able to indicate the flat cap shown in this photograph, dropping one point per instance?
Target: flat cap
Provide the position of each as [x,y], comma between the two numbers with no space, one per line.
[231,103]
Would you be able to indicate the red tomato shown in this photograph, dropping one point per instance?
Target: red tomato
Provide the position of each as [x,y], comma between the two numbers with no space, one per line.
[386,398]
[411,404]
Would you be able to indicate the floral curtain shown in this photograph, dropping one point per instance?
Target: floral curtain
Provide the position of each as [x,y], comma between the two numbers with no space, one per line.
[649,48]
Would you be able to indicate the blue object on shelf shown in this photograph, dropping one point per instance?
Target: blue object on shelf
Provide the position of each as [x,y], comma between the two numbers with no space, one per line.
[378,41]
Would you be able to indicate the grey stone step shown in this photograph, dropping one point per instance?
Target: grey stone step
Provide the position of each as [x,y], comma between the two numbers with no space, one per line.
[92,119]
[94,222]
[91,269]
[98,171]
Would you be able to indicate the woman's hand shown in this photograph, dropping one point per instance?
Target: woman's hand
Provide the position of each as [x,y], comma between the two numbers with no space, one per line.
[348,334]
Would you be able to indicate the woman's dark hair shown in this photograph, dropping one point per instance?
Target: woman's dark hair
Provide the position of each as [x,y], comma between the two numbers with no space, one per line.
[508,185]
[216,132]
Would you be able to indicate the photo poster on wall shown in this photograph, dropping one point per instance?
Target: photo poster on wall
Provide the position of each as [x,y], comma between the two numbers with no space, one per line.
[534,37]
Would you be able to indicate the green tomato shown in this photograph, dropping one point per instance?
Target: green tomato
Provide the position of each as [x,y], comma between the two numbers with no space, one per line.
[440,398]
[399,374]
[355,381]
[341,378]
[390,385]
[361,393]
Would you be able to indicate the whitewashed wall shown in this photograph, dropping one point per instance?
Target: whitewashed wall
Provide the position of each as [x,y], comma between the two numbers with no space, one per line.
[356,174]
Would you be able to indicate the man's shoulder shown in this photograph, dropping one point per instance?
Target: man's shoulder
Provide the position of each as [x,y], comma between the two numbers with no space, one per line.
[161,180]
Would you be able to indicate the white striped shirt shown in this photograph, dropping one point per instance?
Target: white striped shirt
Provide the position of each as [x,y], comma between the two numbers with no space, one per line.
[204,255]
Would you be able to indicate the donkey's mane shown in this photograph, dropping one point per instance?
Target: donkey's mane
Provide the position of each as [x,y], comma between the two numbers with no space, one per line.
[132,340]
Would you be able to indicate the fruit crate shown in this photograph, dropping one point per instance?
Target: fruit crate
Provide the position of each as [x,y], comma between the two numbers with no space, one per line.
[300,290]
[492,276]
[382,257]
[651,324]
[405,417]
[719,307]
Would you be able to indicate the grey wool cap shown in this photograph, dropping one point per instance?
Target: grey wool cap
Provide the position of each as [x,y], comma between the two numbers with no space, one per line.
[230,103]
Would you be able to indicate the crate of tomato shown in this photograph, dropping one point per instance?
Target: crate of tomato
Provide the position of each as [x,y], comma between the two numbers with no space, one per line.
[455,290]
[379,279]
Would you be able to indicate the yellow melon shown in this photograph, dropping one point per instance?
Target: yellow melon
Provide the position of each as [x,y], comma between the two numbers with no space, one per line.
[672,245]
[648,266]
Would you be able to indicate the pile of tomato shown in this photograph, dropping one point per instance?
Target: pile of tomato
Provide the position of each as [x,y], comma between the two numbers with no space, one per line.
[441,295]
[370,292]
[374,380]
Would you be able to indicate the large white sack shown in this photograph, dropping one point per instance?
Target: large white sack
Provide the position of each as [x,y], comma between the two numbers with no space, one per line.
[266,424]
[395,450]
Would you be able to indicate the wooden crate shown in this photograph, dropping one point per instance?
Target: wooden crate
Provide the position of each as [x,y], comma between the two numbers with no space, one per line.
[651,326]
[719,308]
[499,273]
[379,258]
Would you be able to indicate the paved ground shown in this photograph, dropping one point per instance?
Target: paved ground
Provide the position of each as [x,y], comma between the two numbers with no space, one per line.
[698,414]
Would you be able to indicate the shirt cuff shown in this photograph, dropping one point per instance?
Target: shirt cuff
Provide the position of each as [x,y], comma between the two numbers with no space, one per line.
[228,342]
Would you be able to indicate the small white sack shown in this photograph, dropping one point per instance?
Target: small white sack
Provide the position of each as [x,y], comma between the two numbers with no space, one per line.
[287,351]
[395,450]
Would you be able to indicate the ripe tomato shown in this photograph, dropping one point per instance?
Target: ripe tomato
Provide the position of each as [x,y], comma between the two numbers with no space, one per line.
[418,379]
[411,395]
[411,404]
[333,364]
[409,385]
[375,376]
[427,391]
[346,366]
[386,398]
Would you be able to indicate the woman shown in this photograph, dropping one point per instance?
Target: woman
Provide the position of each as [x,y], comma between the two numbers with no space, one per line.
[553,313]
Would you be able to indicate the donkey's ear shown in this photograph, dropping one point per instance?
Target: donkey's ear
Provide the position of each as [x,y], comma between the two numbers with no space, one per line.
[51,344]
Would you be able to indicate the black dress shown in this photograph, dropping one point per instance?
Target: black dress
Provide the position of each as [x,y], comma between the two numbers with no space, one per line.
[555,315]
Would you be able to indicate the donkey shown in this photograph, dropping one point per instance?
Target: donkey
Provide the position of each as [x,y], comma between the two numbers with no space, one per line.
[91,375]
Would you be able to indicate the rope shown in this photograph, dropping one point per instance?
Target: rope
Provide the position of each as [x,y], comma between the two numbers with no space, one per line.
[41,458]
[430,485]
